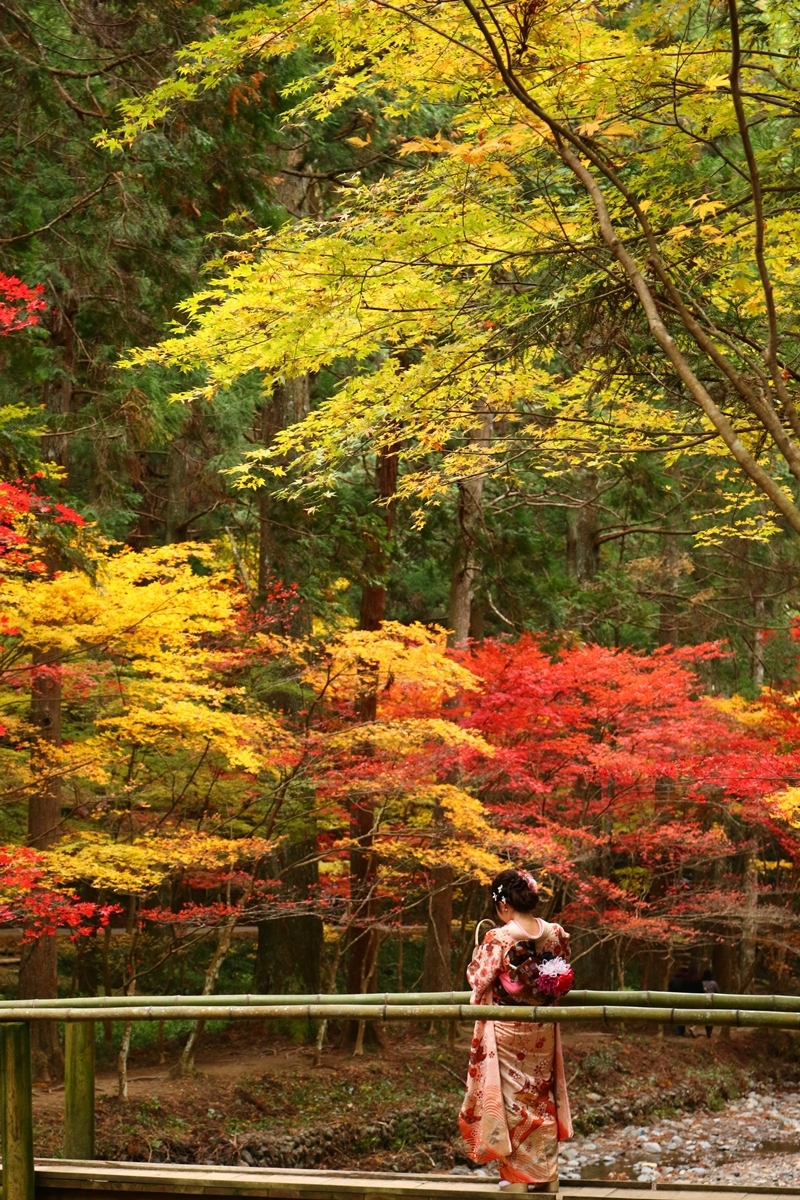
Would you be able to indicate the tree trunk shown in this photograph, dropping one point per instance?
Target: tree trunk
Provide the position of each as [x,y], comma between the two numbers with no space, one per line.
[759,641]
[723,968]
[465,560]
[44,809]
[583,547]
[370,971]
[289,950]
[124,1052]
[38,971]
[747,949]
[436,969]
[361,964]
[668,632]
[129,989]
[437,962]
[185,1064]
[108,1026]
[288,956]
[373,595]
[362,960]
[289,403]
[330,987]
[58,390]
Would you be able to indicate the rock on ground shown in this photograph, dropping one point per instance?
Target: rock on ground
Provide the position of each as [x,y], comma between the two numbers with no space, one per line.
[754,1141]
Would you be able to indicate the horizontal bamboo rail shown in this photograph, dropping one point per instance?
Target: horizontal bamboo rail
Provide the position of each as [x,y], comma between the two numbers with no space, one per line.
[575,998]
[688,1000]
[547,1014]
[248,999]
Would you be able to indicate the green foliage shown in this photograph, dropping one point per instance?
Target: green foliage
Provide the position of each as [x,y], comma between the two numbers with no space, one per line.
[322,238]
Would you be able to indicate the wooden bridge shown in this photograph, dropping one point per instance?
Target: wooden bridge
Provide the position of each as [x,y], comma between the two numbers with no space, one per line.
[58,1179]
[66,1179]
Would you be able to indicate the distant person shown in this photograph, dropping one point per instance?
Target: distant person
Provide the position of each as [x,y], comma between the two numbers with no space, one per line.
[516,1109]
[684,981]
[680,983]
[711,988]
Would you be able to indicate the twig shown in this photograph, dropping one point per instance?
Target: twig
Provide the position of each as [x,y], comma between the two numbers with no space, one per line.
[497,612]
[248,587]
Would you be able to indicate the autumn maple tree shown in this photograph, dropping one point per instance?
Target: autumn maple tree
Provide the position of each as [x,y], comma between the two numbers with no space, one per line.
[34,896]
[396,774]
[127,716]
[151,652]
[636,793]
[626,166]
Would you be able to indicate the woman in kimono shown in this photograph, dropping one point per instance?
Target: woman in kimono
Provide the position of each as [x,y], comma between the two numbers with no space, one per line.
[516,1109]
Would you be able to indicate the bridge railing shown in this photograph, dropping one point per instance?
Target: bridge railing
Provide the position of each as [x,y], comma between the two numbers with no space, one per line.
[79,1015]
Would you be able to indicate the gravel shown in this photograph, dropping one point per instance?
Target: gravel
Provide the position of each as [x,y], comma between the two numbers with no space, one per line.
[754,1141]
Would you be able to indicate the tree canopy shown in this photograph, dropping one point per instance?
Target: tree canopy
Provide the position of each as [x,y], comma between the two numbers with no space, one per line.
[400,453]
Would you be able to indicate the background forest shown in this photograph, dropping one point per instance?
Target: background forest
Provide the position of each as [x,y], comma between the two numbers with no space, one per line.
[372,516]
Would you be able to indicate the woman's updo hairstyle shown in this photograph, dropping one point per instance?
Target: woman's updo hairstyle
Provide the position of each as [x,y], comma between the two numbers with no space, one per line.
[517,888]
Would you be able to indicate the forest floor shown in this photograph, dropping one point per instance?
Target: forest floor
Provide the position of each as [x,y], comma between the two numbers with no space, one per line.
[258,1098]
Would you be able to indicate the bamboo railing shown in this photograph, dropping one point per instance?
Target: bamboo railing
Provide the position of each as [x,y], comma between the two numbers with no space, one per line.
[79,1014]
[664,1014]
[647,999]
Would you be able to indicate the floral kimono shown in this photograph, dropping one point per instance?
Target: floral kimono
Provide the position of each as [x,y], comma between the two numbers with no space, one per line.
[516,1108]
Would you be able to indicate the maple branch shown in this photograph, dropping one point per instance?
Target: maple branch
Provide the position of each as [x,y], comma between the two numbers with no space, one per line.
[76,108]
[762,406]
[64,72]
[771,349]
[696,389]
[497,612]
[770,352]
[565,139]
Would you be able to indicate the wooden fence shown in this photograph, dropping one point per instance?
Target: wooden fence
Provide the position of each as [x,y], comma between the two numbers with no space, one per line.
[79,1015]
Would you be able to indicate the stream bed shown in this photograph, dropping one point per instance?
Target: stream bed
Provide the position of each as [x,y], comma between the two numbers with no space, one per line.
[753,1141]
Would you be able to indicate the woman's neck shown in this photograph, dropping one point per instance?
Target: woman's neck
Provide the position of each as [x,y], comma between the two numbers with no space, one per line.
[528,922]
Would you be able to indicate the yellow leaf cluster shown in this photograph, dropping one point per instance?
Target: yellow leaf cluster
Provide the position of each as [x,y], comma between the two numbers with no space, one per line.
[397,656]
[787,805]
[140,867]
[155,716]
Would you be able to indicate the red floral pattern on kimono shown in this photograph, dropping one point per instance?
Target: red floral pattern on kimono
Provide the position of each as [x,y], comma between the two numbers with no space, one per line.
[516,1108]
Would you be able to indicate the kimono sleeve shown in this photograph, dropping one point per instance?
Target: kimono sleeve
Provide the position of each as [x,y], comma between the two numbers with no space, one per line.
[558,942]
[486,965]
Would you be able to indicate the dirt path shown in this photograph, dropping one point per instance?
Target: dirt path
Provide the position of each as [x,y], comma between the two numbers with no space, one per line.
[227,1065]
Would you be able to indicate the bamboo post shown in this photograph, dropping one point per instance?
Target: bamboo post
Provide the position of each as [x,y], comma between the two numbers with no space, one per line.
[79,1090]
[16,1108]
[3,1130]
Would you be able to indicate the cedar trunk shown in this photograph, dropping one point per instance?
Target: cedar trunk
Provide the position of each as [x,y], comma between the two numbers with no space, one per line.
[288,404]
[362,964]
[38,971]
[436,969]
[583,545]
[465,568]
[289,950]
